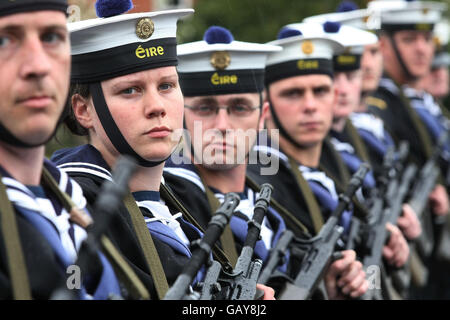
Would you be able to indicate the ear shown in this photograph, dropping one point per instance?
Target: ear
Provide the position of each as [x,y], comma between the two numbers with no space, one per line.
[264,114]
[83,111]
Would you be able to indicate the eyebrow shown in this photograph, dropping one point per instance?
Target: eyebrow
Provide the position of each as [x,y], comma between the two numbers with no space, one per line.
[17,28]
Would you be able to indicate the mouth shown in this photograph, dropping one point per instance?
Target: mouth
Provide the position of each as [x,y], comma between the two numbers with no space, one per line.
[36,101]
[311,124]
[159,132]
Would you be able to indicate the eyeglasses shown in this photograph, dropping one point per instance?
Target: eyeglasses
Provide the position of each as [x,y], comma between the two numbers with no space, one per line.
[209,111]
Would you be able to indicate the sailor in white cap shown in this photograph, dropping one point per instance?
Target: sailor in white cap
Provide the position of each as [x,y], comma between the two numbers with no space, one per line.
[222,80]
[300,96]
[43,211]
[126,98]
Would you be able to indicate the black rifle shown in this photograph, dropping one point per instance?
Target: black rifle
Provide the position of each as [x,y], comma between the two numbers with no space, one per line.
[276,257]
[322,248]
[202,249]
[360,234]
[109,199]
[240,284]
[395,196]
[421,190]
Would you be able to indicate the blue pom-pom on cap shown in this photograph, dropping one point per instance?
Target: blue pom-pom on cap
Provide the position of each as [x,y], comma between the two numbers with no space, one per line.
[109,8]
[331,27]
[346,6]
[216,34]
[288,32]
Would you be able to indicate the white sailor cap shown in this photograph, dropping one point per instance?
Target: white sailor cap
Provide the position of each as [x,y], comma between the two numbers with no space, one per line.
[408,15]
[441,38]
[308,48]
[353,38]
[218,64]
[349,14]
[117,44]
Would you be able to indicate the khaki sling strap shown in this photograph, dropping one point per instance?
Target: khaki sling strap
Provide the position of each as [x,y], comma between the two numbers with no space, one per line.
[227,238]
[419,126]
[311,202]
[123,271]
[291,221]
[357,141]
[148,246]
[168,195]
[16,261]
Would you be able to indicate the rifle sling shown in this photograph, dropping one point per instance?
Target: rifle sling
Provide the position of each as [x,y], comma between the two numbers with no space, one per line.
[291,221]
[357,141]
[16,261]
[345,176]
[168,196]
[311,202]
[127,276]
[226,239]
[419,126]
[148,246]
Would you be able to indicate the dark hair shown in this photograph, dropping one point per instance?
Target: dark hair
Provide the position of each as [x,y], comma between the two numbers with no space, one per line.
[69,117]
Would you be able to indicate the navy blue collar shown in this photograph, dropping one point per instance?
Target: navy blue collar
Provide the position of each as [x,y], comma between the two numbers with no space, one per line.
[147,196]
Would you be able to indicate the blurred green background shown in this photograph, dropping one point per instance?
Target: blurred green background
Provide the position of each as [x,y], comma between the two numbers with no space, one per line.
[248,20]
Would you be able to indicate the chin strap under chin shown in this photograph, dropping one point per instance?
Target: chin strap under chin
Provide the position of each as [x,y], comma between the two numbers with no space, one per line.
[111,129]
[406,71]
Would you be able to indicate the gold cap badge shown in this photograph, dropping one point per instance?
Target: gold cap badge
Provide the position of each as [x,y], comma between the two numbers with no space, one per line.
[145,28]
[220,60]
[307,47]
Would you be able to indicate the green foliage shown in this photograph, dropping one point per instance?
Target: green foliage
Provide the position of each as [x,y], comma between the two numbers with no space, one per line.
[251,20]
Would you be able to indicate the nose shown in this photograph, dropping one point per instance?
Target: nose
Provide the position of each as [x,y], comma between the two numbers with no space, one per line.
[35,58]
[154,106]
[309,102]
[222,120]
[341,83]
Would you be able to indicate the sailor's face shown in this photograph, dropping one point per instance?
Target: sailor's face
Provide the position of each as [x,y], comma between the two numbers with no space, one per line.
[372,67]
[35,72]
[348,86]
[304,106]
[147,107]
[222,137]
[416,49]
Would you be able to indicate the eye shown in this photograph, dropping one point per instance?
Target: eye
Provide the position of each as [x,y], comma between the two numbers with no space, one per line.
[4,41]
[321,91]
[292,94]
[166,86]
[205,109]
[131,90]
[241,109]
[53,37]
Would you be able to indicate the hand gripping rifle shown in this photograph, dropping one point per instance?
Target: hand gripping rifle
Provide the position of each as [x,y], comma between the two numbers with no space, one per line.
[240,284]
[180,290]
[321,248]
[109,199]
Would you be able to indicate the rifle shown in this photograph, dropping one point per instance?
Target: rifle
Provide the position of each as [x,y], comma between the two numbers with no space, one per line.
[421,190]
[240,283]
[321,249]
[360,234]
[276,257]
[202,249]
[396,193]
[109,199]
